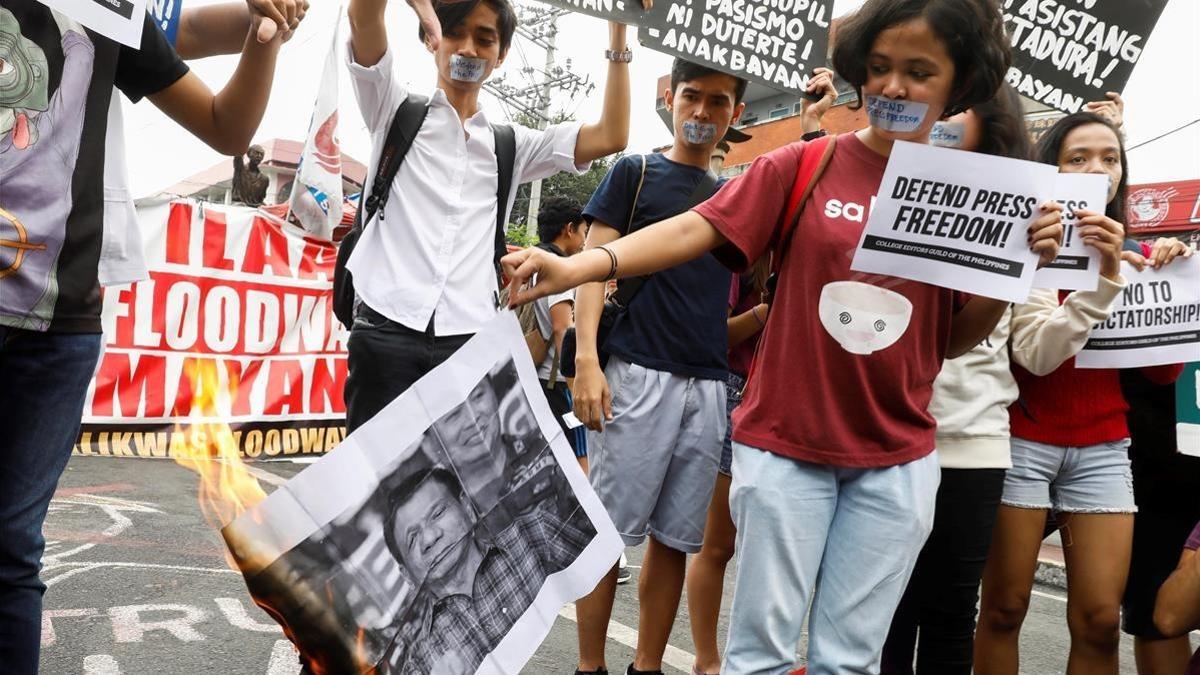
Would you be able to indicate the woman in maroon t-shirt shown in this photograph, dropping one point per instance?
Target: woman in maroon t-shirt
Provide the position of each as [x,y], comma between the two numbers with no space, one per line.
[834,471]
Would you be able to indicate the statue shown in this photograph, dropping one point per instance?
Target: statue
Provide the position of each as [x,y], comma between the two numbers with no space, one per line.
[249,184]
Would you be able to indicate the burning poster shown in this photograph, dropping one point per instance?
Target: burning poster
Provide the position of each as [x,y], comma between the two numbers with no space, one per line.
[441,537]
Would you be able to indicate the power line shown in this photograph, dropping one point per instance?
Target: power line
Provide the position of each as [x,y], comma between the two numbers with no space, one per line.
[1164,135]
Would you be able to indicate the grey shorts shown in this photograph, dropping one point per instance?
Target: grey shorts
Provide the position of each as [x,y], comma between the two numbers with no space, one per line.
[1092,479]
[655,463]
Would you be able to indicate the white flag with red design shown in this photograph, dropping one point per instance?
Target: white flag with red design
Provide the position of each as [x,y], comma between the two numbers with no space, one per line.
[317,191]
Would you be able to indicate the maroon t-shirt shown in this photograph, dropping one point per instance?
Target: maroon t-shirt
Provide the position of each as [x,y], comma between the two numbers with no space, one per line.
[845,369]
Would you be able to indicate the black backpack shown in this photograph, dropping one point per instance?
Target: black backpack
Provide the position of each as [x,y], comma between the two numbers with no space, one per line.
[405,125]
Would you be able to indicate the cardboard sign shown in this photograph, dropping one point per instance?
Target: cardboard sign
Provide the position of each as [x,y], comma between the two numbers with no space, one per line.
[772,42]
[628,12]
[1077,266]
[118,20]
[459,527]
[1154,321]
[956,219]
[1187,410]
[1069,52]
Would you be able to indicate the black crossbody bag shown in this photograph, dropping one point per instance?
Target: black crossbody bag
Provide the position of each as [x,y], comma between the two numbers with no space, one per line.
[627,289]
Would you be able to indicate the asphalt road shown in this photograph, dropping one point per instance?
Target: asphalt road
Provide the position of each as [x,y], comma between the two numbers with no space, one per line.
[138,584]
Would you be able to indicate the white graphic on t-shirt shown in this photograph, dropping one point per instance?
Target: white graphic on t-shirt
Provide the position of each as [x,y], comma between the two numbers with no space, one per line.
[863,318]
[835,208]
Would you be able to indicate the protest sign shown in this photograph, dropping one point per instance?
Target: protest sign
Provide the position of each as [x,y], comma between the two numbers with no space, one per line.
[1154,321]
[1187,410]
[622,11]
[234,287]
[460,525]
[1069,52]
[118,20]
[1077,265]
[316,199]
[773,42]
[956,219]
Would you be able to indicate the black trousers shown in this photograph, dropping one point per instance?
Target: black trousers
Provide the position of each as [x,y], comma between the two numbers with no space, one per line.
[385,359]
[940,603]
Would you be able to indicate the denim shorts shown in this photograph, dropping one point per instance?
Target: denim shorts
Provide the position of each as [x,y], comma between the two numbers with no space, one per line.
[1092,479]
[734,384]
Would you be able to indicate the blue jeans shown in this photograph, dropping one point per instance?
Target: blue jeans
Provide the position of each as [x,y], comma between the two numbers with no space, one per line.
[844,540]
[43,382]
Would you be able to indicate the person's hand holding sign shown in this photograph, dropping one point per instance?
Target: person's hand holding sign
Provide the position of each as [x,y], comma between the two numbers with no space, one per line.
[1106,236]
[1112,109]
[820,84]
[1166,249]
[1046,233]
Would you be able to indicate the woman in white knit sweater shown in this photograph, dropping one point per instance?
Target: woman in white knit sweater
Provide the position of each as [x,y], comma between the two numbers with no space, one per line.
[970,402]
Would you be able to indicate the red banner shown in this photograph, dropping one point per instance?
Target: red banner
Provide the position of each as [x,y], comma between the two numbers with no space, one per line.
[236,289]
[1164,207]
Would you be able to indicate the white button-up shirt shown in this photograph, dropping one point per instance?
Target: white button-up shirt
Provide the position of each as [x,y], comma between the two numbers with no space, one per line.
[431,256]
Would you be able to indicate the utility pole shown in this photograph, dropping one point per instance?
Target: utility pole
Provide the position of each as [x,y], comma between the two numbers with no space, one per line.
[538,25]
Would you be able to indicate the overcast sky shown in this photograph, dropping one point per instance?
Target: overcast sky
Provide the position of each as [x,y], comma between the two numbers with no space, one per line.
[1163,93]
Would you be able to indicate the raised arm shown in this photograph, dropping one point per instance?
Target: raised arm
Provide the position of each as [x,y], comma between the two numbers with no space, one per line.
[228,120]
[656,247]
[368,35]
[216,30]
[611,133]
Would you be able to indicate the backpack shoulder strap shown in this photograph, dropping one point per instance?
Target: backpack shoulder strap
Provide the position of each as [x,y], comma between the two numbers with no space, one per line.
[506,158]
[813,161]
[406,122]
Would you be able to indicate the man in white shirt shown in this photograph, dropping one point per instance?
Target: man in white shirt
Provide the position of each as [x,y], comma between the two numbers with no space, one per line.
[425,274]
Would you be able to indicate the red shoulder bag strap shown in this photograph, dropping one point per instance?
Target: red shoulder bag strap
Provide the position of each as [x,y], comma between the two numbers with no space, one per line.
[813,161]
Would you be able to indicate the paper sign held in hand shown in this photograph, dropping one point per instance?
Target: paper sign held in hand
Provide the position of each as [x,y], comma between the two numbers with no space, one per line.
[1077,266]
[956,219]
[1155,320]
[118,20]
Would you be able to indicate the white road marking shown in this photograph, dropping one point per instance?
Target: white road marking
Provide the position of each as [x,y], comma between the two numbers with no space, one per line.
[235,612]
[128,625]
[48,616]
[81,567]
[284,659]
[619,632]
[100,664]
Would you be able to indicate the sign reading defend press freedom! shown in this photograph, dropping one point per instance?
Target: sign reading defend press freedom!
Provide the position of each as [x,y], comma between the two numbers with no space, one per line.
[773,42]
[956,219]
[1069,52]
[1154,321]
[1077,266]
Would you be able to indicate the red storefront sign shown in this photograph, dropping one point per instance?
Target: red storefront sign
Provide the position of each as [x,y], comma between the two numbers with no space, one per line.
[1164,207]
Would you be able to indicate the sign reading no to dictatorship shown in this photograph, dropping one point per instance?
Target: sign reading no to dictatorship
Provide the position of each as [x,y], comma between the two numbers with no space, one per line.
[1154,321]
[773,42]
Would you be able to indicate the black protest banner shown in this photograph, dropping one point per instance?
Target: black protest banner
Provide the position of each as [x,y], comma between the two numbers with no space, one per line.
[622,11]
[772,42]
[1069,52]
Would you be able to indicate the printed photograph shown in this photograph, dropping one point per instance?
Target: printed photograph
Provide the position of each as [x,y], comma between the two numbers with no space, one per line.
[442,559]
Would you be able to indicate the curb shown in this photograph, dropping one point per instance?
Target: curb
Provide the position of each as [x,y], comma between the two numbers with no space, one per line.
[1051,573]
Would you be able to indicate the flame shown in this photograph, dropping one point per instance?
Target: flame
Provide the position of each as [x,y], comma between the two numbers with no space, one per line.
[227,489]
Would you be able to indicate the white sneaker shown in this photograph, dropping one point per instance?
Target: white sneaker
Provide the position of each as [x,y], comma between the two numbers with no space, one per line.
[623,574]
